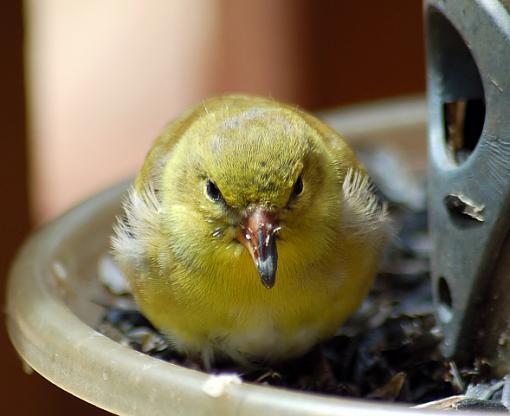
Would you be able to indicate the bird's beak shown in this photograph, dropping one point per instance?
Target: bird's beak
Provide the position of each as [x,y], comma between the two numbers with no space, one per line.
[257,232]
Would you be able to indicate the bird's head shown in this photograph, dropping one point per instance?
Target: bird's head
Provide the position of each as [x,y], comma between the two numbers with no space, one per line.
[254,177]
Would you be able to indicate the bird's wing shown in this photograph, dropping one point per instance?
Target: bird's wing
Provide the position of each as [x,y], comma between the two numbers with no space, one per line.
[363,214]
[139,228]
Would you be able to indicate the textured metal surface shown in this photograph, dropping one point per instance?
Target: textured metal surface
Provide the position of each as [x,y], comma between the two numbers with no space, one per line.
[468,47]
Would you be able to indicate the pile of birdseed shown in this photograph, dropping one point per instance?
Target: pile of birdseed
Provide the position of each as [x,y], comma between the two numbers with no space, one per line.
[389,350]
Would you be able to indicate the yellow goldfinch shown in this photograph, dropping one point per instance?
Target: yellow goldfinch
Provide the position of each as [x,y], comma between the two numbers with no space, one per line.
[251,231]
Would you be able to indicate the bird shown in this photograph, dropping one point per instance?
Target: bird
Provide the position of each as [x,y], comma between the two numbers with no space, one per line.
[251,232]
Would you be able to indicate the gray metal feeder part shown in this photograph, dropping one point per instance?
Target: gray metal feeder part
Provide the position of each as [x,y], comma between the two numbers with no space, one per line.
[468,46]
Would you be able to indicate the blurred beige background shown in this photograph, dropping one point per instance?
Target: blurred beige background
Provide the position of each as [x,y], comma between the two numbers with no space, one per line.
[87,85]
[104,76]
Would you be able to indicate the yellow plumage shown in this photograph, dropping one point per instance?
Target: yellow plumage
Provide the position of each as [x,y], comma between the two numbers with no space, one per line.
[251,231]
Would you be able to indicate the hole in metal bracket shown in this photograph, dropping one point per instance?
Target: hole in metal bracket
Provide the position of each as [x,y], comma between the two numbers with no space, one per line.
[456,86]
[463,124]
[444,309]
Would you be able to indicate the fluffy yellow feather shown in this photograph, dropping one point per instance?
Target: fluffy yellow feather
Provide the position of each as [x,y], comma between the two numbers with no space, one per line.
[251,231]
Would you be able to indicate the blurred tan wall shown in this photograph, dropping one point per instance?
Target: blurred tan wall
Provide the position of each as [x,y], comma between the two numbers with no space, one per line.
[104,76]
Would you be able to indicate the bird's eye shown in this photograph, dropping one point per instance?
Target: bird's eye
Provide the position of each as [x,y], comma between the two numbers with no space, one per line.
[212,191]
[298,187]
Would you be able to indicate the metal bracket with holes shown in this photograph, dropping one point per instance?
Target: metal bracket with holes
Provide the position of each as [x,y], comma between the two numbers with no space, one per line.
[468,47]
